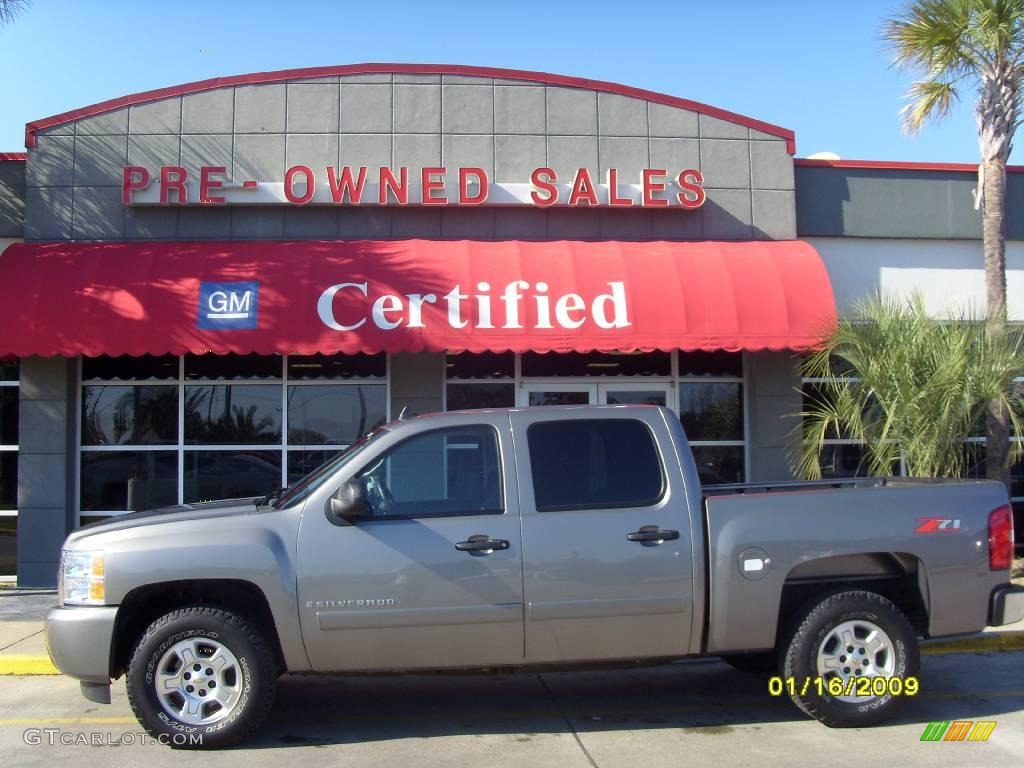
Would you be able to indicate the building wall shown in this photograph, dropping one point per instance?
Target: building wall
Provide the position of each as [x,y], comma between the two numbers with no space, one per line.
[949,274]
[773,381]
[895,203]
[507,127]
[46,465]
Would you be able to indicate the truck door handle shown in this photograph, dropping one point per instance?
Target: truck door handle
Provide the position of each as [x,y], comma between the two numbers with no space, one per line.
[652,534]
[481,543]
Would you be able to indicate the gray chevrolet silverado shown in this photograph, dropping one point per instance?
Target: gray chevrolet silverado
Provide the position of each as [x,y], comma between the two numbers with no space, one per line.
[528,537]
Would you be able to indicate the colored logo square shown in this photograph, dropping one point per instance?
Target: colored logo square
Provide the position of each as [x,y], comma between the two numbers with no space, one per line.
[228,306]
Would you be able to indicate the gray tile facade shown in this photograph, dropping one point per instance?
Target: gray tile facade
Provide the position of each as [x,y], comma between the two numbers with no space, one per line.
[45,466]
[508,127]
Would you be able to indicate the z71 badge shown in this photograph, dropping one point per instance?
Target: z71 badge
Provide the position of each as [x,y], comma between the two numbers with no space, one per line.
[937,525]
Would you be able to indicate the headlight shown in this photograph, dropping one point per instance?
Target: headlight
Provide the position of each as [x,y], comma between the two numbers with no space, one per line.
[81,578]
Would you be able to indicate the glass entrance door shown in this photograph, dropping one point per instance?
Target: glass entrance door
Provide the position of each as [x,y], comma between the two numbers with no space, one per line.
[587,393]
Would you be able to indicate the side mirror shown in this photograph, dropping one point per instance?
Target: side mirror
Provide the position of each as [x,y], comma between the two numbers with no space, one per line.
[348,503]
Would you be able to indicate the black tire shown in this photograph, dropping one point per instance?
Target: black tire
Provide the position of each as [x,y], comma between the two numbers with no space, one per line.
[812,627]
[763,663]
[257,669]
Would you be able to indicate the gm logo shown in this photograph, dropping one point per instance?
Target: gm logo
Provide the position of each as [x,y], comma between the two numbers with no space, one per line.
[228,306]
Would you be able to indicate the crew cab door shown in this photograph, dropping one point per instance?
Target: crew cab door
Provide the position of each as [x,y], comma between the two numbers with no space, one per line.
[606,536]
[431,576]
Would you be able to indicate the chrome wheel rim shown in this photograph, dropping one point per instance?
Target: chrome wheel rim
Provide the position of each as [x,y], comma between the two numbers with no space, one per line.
[198,681]
[852,650]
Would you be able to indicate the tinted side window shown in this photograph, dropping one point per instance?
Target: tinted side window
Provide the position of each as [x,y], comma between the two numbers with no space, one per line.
[594,464]
[452,471]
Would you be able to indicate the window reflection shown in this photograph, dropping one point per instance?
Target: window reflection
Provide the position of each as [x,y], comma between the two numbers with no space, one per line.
[129,480]
[223,414]
[212,475]
[127,415]
[711,411]
[336,414]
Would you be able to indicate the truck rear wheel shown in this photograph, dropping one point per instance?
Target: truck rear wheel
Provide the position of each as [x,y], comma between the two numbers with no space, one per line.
[856,649]
[201,678]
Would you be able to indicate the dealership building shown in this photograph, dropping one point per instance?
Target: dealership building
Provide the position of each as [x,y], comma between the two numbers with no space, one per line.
[208,289]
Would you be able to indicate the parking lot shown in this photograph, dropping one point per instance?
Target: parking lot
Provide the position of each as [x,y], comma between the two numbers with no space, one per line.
[692,713]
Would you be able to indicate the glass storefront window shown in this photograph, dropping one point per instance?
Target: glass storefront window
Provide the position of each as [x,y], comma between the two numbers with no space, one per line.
[8,481]
[301,463]
[233,367]
[222,420]
[337,366]
[722,365]
[551,364]
[486,365]
[8,545]
[126,368]
[129,415]
[8,415]
[9,372]
[461,397]
[718,464]
[128,480]
[711,411]
[337,414]
[232,415]
[212,475]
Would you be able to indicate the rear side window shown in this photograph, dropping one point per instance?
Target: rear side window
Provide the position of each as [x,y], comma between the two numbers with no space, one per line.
[594,464]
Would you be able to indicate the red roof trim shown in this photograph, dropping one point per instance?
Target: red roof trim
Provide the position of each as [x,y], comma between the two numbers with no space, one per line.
[13,156]
[896,165]
[407,69]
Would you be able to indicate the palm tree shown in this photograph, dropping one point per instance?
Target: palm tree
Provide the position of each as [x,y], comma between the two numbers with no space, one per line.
[956,44]
[909,388]
[9,9]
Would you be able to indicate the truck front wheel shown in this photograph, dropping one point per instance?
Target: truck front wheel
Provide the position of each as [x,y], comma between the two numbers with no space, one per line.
[201,677]
[857,653]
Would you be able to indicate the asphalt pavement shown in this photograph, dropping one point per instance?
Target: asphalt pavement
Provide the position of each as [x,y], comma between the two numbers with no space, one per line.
[693,713]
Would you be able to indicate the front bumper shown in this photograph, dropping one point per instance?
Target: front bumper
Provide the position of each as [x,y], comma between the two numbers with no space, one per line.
[79,640]
[1007,606]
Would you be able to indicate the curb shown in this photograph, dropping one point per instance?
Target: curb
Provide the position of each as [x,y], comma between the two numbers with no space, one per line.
[18,664]
[990,642]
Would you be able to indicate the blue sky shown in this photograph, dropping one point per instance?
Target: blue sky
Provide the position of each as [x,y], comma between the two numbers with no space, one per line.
[816,67]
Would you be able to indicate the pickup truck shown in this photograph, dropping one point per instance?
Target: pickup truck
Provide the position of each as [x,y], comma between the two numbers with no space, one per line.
[524,538]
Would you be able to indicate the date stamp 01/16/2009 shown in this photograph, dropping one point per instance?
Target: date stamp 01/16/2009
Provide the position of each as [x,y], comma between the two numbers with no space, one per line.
[868,687]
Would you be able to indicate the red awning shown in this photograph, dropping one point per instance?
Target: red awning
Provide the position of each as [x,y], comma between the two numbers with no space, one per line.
[408,295]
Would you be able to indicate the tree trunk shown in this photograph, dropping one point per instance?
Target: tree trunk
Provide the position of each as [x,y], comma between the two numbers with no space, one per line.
[994,238]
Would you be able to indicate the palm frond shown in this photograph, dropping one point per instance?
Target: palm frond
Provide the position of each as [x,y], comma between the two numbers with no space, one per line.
[927,100]
[920,389]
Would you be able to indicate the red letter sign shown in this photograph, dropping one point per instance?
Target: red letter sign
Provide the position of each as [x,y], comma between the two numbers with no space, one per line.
[651,186]
[289,181]
[481,179]
[135,177]
[429,184]
[690,181]
[613,189]
[399,189]
[177,183]
[542,178]
[206,183]
[583,189]
[345,185]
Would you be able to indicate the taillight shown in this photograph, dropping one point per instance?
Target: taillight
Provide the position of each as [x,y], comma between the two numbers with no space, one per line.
[1000,538]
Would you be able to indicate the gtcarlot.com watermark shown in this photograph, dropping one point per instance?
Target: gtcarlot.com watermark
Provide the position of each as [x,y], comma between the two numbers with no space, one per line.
[53,737]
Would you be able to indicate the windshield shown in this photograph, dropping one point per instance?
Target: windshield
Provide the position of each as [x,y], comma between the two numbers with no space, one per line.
[297,492]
